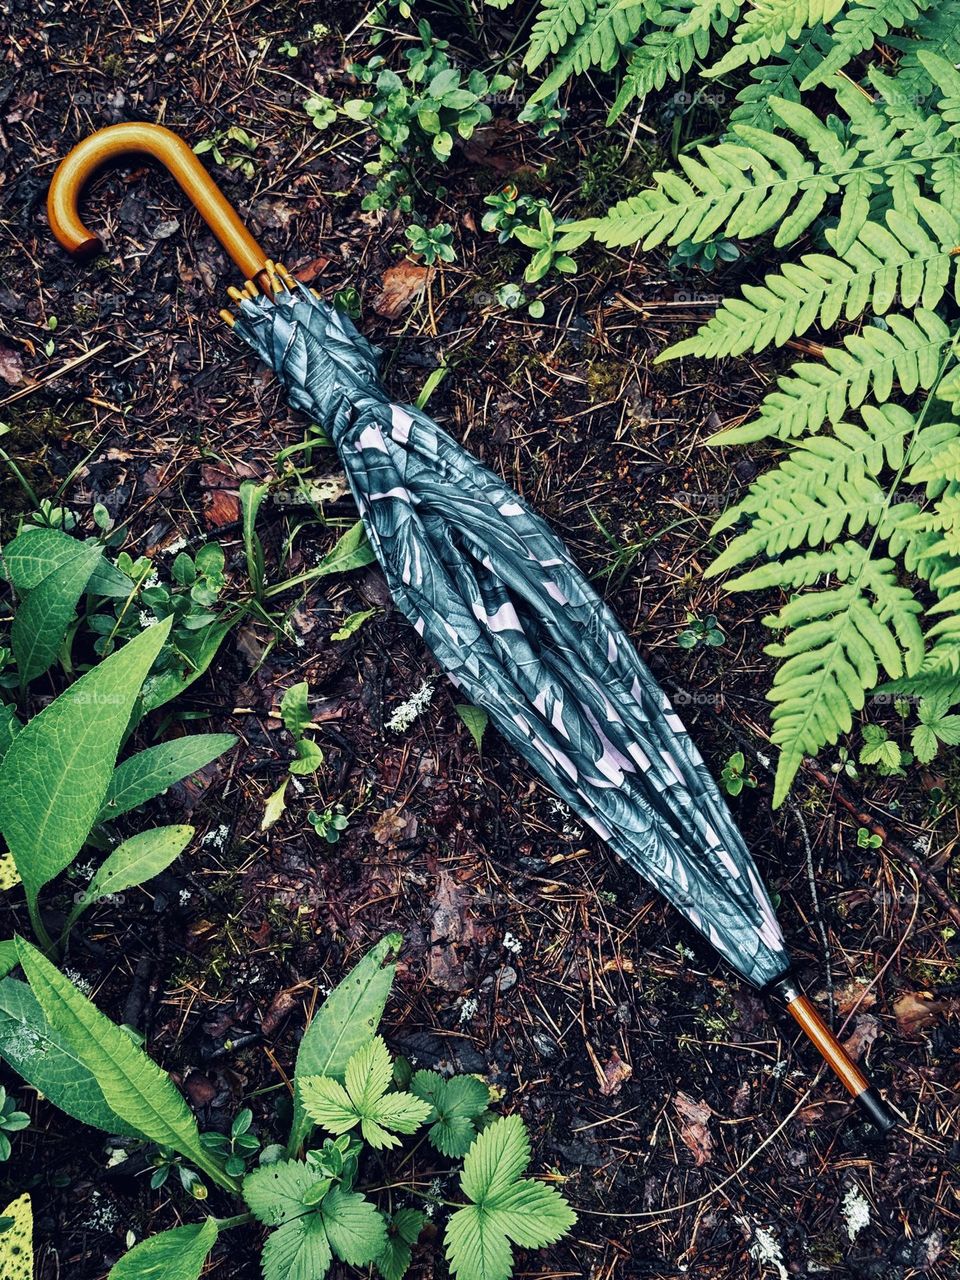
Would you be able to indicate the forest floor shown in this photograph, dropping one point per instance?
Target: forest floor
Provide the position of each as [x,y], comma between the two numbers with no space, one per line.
[681,1115]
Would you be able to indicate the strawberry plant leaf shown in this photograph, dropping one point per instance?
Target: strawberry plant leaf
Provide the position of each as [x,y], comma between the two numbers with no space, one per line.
[403,1230]
[506,1208]
[456,1104]
[364,1100]
[347,1019]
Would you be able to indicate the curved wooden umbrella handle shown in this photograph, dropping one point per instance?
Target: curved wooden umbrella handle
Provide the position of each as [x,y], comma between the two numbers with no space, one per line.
[174,154]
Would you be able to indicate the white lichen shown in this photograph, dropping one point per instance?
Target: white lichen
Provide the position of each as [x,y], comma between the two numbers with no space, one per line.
[766,1250]
[468,1009]
[404,716]
[82,984]
[855,1211]
[217,838]
[512,943]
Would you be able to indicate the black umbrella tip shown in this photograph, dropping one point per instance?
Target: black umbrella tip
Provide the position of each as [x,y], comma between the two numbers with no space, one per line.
[877,1110]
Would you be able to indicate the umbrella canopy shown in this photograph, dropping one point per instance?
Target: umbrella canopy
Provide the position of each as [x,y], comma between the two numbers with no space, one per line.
[513,622]
[501,605]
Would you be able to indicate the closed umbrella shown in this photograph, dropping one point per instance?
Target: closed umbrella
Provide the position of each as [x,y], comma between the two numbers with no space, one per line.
[499,602]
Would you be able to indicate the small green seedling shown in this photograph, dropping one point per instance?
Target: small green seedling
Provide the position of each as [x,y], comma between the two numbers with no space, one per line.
[432,244]
[238,1148]
[295,713]
[11,1121]
[868,839]
[734,775]
[330,824]
[701,632]
[706,255]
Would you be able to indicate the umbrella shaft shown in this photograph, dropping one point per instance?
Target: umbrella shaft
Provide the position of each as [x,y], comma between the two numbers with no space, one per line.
[803,1011]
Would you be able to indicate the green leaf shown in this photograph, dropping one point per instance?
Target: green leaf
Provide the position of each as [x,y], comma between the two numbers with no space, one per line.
[403,1231]
[16,1241]
[198,652]
[148,773]
[274,1193]
[8,956]
[356,620]
[295,709]
[55,775]
[279,1194]
[133,1085]
[10,726]
[177,1254]
[505,1206]
[133,862]
[347,1020]
[45,1058]
[355,1229]
[298,1250]
[364,1100]
[476,720]
[456,1104]
[45,613]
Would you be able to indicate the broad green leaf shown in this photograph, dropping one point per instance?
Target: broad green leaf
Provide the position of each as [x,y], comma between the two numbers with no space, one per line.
[355,1229]
[55,775]
[46,1059]
[36,553]
[506,1207]
[404,1229]
[295,709]
[177,1254]
[351,551]
[16,1242]
[133,862]
[199,651]
[456,1104]
[309,757]
[476,720]
[133,1085]
[8,956]
[347,1020]
[148,773]
[352,624]
[298,1250]
[364,1100]
[46,611]
[274,1193]
[10,726]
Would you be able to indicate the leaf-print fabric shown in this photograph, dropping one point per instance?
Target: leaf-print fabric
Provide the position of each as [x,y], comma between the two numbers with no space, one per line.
[517,627]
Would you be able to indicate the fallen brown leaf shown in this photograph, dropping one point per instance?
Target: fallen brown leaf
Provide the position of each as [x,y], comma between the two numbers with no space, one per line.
[694,1132]
[616,1073]
[916,1010]
[11,365]
[402,285]
[866,1028]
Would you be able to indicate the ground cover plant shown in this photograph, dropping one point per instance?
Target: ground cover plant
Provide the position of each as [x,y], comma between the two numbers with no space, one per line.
[345,1080]
[232,772]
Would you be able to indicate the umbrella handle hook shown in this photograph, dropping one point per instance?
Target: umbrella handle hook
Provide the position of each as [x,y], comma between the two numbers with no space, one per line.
[175,155]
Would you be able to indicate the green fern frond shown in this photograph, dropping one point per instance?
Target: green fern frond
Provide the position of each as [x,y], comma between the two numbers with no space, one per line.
[760,181]
[767,26]
[936,31]
[859,29]
[555,23]
[826,488]
[908,353]
[779,78]
[682,34]
[901,262]
[838,642]
[596,40]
